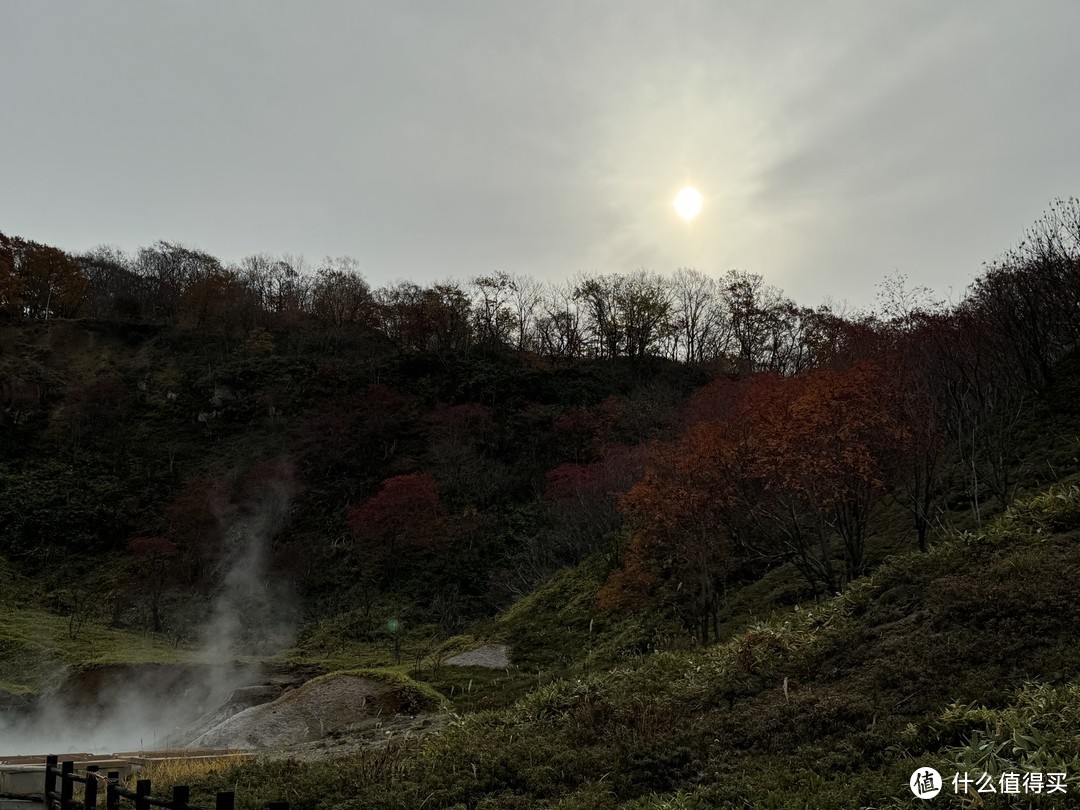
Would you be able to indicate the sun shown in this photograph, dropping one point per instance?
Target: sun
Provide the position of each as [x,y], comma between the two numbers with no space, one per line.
[688,203]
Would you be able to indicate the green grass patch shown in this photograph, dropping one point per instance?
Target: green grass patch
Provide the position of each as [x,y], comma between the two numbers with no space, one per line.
[37,648]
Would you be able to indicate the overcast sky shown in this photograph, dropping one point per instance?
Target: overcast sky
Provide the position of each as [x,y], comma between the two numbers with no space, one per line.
[834,142]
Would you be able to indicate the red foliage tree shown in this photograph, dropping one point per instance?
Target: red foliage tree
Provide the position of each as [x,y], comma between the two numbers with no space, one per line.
[582,500]
[403,513]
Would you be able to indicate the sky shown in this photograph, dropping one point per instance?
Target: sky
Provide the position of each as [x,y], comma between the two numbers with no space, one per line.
[835,143]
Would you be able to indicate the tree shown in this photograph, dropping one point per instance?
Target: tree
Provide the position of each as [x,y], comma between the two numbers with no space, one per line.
[582,502]
[559,329]
[770,469]
[10,288]
[340,295]
[114,290]
[492,314]
[679,513]
[526,294]
[402,514]
[37,281]
[700,325]
[759,315]
[436,319]
[597,296]
[218,303]
[169,268]
[643,302]
[154,558]
[837,450]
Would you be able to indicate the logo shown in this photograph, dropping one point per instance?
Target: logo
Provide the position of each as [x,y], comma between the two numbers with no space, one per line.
[925,783]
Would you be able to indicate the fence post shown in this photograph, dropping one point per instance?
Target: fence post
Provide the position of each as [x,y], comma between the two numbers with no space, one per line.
[67,787]
[112,798]
[180,796]
[225,801]
[90,791]
[50,779]
[142,794]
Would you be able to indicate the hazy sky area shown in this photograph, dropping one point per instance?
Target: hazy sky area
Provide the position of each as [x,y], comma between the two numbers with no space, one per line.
[834,141]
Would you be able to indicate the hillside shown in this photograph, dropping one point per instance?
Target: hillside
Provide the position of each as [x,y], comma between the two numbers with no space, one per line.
[581,550]
[963,658]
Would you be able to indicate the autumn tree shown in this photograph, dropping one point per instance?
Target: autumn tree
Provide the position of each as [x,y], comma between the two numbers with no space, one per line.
[835,454]
[770,469]
[582,502]
[168,269]
[218,303]
[436,319]
[403,514]
[340,295]
[38,281]
[680,512]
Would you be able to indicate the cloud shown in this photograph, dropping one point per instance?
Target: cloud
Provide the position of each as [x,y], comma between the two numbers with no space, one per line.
[431,140]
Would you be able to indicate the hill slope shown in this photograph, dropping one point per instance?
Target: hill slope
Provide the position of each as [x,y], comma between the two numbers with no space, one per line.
[963,658]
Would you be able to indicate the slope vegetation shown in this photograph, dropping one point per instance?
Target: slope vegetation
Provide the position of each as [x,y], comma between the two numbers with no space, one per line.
[963,658]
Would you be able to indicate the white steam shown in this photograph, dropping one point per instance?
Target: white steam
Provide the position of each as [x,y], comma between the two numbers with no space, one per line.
[251,612]
[146,707]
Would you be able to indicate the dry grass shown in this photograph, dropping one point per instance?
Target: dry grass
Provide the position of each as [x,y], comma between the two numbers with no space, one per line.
[186,770]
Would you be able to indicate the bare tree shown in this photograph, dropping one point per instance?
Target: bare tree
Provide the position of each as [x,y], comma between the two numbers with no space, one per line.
[526,294]
[493,317]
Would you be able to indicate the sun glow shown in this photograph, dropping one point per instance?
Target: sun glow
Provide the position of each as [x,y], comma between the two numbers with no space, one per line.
[688,203]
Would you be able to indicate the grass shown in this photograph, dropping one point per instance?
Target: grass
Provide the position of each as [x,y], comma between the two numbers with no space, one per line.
[36,648]
[185,770]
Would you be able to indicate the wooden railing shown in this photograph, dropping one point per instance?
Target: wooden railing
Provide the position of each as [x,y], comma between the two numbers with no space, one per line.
[93,782]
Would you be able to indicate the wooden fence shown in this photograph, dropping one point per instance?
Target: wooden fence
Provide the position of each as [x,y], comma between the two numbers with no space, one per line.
[93,782]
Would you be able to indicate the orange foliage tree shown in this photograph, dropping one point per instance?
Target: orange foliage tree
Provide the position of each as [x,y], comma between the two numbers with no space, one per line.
[769,469]
[680,513]
[37,281]
[829,459]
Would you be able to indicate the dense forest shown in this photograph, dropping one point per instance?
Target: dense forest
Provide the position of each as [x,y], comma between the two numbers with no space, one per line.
[425,460]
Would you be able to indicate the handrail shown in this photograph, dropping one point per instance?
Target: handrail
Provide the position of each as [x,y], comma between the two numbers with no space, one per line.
[141,796]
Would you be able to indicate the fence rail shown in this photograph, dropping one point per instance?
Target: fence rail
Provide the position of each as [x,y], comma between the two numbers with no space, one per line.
[93,782]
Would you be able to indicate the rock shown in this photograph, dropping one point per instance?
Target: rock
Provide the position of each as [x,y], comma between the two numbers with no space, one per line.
[489,656]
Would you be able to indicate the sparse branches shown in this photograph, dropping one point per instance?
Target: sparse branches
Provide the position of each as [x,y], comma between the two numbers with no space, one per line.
[340,295]
[493,317]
